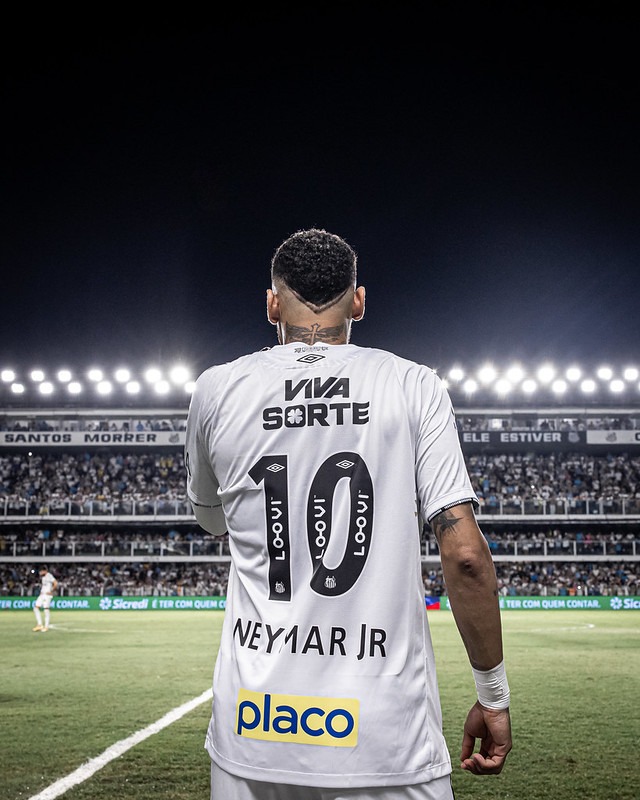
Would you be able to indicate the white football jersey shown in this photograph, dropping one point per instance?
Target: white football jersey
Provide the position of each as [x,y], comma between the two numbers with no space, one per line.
[48,583]
[324,459]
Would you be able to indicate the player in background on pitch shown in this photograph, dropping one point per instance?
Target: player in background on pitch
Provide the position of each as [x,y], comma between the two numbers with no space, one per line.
[48,586]
[320,458]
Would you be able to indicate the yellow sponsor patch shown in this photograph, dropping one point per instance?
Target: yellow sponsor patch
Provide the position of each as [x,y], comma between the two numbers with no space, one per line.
[329,721]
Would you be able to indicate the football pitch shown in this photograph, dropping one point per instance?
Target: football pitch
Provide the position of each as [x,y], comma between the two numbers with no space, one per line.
[96,678]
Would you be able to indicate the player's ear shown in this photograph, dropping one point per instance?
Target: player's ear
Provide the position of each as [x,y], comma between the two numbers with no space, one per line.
[357,309]
[273,307]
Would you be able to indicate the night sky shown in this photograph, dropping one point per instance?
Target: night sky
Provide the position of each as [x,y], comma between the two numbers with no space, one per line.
[484,165]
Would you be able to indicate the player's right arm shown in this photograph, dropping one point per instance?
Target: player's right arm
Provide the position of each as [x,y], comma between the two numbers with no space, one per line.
[472,588]
[202,484]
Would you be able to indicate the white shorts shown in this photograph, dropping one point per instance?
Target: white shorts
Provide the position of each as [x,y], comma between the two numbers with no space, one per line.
[225,786]
[44,601]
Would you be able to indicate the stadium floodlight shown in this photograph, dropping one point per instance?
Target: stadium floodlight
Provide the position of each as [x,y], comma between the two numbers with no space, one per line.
[617,386]
[122,375]
[456,374]
[74,387]
[529,386]
[8,375]
[588,386]
[444,382]
[162,387]
[133,387]
[546,373]
[503,386]
[559,386]
[179,375]
[64,375]
[605,373]
[189,387]
[630,374]
[95,375]
[46,387]
[487,374]
[515,373]
[37,375]
[104,387]
[470,386]
[153,375]
[573,374]
[17,388]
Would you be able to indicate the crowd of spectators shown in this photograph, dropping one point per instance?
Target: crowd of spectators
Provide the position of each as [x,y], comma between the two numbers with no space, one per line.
[559,422]
[553,578]
[75,423]
[52,482]
[556,423]
[148,482]
[210,579]
[155,541]
[567,478]
[55,542]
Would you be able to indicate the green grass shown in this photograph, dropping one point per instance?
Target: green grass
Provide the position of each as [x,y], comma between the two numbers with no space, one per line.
[97,677]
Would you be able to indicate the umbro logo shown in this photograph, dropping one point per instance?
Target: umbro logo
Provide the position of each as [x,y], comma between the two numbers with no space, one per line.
[310,358]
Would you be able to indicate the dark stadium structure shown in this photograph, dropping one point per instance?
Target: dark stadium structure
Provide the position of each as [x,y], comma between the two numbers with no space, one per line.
[92,483]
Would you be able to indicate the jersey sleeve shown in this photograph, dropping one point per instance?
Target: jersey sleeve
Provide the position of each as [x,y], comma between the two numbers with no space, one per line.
[442,479]
[202,485]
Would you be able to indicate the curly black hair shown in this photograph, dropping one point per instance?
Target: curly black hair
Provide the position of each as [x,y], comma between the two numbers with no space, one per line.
[317,265]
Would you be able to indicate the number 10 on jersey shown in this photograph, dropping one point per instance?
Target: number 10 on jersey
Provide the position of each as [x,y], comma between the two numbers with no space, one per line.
[272,472]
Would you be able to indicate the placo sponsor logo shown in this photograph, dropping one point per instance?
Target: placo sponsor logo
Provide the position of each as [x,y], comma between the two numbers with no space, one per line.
[328,721]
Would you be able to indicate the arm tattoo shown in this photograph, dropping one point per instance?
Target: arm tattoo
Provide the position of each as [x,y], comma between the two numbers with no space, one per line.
[315,333]
[444,522]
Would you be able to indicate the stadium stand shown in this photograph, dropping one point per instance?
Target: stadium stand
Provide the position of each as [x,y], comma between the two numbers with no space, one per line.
[98,493]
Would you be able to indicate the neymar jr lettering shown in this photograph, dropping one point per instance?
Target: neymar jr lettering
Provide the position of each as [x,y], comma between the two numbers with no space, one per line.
[368,642]
[332,407]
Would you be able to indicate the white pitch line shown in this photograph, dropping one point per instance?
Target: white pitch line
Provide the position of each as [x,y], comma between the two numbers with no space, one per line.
[116,750]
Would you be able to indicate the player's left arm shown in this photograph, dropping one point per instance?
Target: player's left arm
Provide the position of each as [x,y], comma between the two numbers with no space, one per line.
[471,583]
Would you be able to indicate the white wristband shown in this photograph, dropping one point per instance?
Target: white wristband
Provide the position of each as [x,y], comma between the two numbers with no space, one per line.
[492,687]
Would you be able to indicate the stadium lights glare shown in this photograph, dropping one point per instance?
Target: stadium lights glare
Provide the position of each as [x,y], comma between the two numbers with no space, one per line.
[574,374]
[104,387]
[604,373]
[617,386]
[74,387]
[588,386]
[64,375]
[133,387]
[8,375]
[529,386]
[179,375]
[37,375]
[122,375]
[559,386]
[515,373]
[487,374]
[630,374]
[189,387]
[470,386]
[153,375]
[17,388]
[503,386]
[95,375]
[546,373]
[46,387]
[456,374]
[445,382]
[162,387]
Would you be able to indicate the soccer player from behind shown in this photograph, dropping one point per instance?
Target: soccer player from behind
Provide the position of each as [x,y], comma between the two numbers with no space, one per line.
[48,585]
[321,459]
